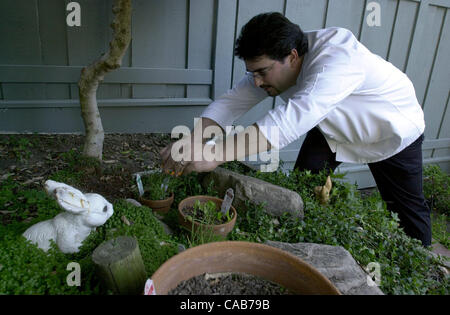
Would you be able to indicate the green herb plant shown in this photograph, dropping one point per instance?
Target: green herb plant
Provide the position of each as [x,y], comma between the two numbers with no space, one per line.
[208,214]
[154,186]
[436,188]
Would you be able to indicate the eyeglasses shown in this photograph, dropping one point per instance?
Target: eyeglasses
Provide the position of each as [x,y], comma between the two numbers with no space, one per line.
[260,72]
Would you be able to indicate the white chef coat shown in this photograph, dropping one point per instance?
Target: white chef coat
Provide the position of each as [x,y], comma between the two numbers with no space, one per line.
[365,107]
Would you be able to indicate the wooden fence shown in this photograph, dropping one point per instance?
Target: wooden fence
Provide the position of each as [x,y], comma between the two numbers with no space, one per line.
[181,58]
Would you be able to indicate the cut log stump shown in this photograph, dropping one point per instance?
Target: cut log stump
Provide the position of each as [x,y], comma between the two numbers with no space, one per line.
[119,264]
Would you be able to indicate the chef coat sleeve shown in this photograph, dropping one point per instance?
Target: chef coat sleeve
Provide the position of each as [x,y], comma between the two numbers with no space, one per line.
[235,102]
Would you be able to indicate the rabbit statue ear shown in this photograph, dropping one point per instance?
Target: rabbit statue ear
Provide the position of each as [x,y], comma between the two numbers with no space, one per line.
[71,199]
[51,186]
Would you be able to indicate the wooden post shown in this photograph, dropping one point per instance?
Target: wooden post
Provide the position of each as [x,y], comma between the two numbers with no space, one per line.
[120,266]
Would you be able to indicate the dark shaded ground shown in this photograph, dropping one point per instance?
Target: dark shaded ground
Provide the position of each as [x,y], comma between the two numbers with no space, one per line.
[31,159]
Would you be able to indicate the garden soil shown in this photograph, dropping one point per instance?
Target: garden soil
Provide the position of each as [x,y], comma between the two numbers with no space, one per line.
[228,284]
[31,158]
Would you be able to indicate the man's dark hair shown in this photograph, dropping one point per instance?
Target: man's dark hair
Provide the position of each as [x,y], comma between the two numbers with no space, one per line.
[270,34]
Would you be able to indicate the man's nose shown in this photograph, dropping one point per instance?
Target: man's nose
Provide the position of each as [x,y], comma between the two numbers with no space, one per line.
[258,81]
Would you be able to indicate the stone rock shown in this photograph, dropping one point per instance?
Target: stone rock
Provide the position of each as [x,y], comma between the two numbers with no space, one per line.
[278,199]
[133,202]
[335,263]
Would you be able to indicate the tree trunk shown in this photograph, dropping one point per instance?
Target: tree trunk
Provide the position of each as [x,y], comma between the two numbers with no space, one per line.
[120,266]
[92,75]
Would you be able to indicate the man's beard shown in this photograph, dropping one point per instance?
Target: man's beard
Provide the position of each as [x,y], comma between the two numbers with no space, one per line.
[270,90]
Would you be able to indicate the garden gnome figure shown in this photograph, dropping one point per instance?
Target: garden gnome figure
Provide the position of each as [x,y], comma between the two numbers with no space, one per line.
[83,213]
[323,192]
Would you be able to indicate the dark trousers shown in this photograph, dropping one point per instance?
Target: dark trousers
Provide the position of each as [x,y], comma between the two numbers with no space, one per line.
[398,178]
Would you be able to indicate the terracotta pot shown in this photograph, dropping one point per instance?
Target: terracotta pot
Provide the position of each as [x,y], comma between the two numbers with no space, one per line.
[260,260]
[160,206]
[219,230]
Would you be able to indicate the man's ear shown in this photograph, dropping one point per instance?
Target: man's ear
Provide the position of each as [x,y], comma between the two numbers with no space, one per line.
[293,56]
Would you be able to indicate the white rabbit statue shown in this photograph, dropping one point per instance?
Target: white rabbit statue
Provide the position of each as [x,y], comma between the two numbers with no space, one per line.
[84,212]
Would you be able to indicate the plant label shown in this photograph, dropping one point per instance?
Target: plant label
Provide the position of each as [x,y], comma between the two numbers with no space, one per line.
[149,288]
[139,185]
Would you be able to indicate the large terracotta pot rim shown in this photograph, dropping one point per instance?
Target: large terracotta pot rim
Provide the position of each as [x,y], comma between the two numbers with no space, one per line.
[186,200]
[261,260]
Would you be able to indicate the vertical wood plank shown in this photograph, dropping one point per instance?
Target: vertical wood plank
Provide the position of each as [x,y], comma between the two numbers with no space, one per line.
[201,24]
[224,43]
[162,43]
[308,14]
[86,43]
[20,29]
[347,14]
[438,88]
[402,33]
[377,38]
[90,41]
[426,34]
[444,132]
[52,21]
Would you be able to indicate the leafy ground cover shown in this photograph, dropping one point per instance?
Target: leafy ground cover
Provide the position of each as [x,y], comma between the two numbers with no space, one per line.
[363,226]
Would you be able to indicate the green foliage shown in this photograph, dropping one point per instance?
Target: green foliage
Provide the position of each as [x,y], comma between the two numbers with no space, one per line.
[439,228]
[76,169]
[208,214]
[154,186]
[20,203]
[20,146]
[436,188]
[26,269]
[155,245]
[362,226]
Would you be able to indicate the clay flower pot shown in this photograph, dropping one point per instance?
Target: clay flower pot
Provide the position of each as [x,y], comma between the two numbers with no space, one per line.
[219,230]
[256,259]
[160,206]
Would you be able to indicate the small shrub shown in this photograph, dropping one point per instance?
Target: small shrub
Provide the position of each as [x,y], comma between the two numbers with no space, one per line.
[436,188]
[365,228]
[26,269]
[157,186]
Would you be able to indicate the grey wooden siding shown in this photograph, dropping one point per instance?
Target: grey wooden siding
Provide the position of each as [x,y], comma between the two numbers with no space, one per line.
[181,58]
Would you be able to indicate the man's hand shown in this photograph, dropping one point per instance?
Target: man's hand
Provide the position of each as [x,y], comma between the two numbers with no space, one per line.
[168,165]
[200,166]
[194,161]
[177,168]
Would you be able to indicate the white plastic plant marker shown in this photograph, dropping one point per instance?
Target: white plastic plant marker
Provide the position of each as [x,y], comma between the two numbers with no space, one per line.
[149,288]
[139,185]
[227,200]
[165,184]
